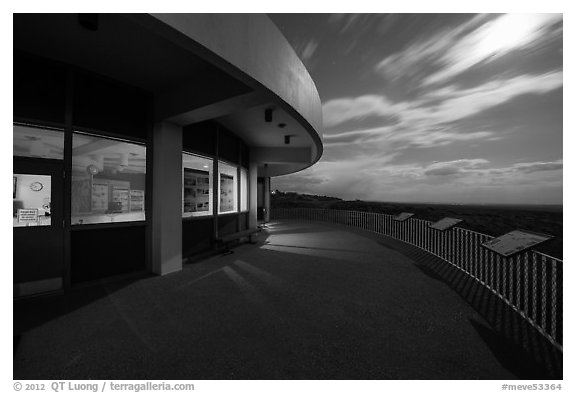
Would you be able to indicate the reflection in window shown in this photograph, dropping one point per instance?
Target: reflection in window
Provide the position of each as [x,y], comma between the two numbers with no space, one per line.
[31,200]
[108,180]
[38,142]
[243,190]
[227,175]
[196,186]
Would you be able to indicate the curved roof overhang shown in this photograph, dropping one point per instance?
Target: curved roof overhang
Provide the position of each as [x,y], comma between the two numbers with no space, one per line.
[231,68]
[250,48]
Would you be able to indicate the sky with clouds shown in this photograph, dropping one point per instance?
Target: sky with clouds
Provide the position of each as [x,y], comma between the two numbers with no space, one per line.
[441,108]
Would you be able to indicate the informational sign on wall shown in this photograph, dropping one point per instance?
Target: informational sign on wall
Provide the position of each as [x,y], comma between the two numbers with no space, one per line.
[122,198]
[136,200]
[445,223]
[403,216]
[27,215]
[227,194]
[196,190]
[515,242]
[99,197]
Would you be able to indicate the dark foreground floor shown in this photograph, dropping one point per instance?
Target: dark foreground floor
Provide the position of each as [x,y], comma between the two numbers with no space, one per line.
[308,302]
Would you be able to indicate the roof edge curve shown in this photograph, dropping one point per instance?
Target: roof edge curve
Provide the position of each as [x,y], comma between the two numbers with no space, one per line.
[251,48]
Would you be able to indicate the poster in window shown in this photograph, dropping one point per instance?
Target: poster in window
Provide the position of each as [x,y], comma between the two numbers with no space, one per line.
[226,193]
[136,200]
[121,196]
[99,197]
[196,191]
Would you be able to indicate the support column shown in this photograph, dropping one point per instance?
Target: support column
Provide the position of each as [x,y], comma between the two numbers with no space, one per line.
[167,198]
[266,199]
[253,195]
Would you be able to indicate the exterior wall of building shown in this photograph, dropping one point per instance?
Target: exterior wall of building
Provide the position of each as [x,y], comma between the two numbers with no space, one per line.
[67,99]
[64,98]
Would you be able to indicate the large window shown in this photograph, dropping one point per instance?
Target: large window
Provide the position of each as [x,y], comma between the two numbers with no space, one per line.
[228,181]
[108,180]
[197,187]
[243,190]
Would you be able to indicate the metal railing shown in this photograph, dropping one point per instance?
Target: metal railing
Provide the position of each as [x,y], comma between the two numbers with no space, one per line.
[530,283]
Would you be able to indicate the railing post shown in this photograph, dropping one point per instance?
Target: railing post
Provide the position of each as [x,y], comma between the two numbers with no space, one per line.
[544,295]
[517,282]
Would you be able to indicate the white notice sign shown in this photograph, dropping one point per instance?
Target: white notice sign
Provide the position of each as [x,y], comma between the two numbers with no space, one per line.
[27,215]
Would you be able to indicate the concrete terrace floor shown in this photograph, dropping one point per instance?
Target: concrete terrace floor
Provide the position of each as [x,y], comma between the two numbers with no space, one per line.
[309,301]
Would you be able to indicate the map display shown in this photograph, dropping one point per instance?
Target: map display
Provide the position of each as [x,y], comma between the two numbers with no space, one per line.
[445,223]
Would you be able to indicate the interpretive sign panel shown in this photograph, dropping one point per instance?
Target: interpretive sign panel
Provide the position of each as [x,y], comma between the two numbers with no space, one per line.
[403,216]
[515,242]
[445,223]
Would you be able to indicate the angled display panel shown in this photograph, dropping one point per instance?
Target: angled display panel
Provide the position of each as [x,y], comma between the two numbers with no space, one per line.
[445,223]
[403,216]
[515,242]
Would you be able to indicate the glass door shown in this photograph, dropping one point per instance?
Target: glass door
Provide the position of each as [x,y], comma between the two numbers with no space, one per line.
[38,225]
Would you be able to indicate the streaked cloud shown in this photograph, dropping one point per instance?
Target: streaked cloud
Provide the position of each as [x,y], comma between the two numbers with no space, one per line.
[480,40]
[454,167]
[391,138]
[482,167]
[530,167]
[340,110]
[492,40]
[456,104]
[441,106]
[412,61]
[309,50]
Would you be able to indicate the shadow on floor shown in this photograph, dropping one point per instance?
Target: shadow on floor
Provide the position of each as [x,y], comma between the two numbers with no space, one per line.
[317,248]
[514,342]
[35,311]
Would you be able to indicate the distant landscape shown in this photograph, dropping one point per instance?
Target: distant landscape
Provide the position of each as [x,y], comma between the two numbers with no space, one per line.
[494,220]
